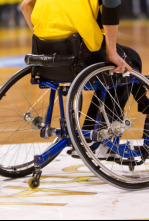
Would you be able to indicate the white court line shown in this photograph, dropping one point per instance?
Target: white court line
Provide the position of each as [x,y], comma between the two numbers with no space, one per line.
[17,61]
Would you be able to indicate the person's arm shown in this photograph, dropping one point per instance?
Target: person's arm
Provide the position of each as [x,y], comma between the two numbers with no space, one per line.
[110,20]
[27,7]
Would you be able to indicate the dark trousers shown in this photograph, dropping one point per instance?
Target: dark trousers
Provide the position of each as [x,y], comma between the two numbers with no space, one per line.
[121,94]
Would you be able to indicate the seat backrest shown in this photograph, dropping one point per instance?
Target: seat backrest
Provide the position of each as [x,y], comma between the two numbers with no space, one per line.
[68,46]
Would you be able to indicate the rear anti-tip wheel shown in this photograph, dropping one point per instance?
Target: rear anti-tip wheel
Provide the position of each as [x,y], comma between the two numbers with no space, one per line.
[33,183]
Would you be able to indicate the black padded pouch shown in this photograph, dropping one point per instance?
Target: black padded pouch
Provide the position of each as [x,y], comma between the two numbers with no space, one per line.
[68,46]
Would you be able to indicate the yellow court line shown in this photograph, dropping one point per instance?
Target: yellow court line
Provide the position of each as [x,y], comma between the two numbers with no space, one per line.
[32,204]
[133,23]
[14,33]
[15,51]
[136,219]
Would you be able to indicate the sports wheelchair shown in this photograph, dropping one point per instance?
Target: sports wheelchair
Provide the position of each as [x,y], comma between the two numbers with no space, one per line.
[40,117]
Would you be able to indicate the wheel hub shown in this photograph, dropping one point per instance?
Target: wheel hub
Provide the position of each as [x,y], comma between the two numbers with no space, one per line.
[36,123]
[118,128]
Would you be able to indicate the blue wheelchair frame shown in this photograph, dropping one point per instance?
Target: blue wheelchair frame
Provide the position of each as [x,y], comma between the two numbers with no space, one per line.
[121,149]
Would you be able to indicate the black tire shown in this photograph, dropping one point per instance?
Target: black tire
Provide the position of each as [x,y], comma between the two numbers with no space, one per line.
[79,142]
[19,142]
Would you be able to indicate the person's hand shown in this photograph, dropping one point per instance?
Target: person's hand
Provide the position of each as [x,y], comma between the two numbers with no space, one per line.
[122,66]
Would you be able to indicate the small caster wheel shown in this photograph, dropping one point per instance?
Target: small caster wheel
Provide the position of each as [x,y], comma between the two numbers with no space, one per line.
[33,183]
[131,167]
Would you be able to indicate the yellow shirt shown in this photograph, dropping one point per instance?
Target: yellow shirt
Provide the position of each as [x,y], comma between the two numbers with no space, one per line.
[58,19]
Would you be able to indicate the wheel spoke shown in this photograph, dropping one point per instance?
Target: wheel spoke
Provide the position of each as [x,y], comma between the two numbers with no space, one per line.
[119,149]
[20,141]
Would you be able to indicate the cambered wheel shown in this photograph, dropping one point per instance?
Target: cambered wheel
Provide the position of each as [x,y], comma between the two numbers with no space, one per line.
[114,114]
[21,106]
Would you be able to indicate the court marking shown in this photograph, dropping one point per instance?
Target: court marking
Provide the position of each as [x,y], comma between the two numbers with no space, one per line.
[12,61]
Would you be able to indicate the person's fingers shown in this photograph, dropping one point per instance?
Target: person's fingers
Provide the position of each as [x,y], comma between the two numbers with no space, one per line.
[128,68]
[117,70]
[121,65]
[122,68]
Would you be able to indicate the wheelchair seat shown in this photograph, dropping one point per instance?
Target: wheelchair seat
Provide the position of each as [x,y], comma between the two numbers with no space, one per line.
[66,51]
[62,60]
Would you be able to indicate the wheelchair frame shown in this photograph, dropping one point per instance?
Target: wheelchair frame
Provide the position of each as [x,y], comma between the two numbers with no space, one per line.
[63,134]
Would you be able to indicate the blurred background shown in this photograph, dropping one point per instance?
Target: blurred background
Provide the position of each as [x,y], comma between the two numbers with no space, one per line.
[11,16]
[15,37]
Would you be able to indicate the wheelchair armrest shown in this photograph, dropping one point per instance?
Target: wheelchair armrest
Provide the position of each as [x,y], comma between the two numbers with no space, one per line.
[49,60]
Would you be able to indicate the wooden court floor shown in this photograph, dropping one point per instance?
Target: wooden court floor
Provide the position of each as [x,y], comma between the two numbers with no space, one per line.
[67,186]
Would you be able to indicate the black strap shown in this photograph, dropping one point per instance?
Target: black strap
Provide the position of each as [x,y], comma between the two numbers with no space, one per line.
[99,18]
[100,2]
[111,16]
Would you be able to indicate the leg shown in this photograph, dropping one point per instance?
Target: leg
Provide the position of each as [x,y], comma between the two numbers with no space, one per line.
[132,58]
